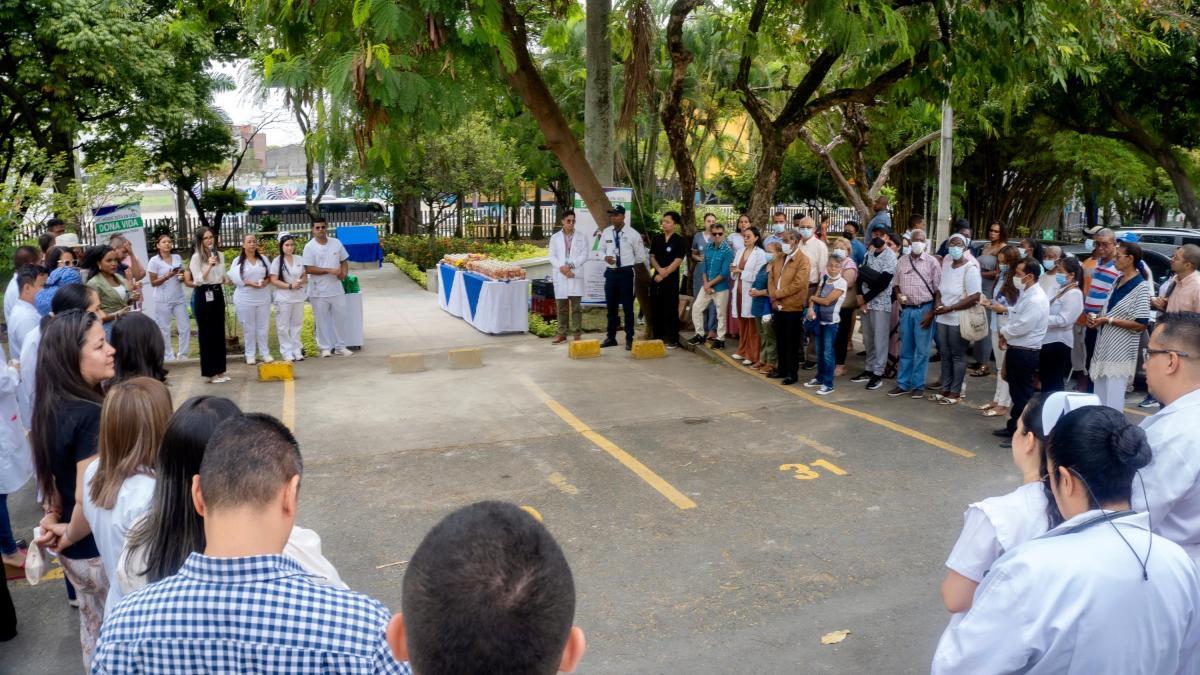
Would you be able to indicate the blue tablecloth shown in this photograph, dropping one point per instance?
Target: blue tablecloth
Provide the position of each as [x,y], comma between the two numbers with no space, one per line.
[361,242]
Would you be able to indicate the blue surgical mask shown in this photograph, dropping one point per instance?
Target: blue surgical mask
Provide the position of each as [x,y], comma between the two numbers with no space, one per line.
[1003,267]
[1089,244]
[806,232]
[1061,279]
[777,227]
[956,252]
[1048,265]
[839,254]
[906,250]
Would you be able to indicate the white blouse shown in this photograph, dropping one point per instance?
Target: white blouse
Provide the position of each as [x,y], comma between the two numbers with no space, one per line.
[294,270]
[255,272]
[216,275]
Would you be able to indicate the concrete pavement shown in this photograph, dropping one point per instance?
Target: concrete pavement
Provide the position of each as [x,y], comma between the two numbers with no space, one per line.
[807,518]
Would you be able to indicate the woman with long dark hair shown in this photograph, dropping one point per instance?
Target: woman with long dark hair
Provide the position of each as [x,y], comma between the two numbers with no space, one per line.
[289,279]
[166,274]
[71,296]
[1099,593]
[1004,297]
[745,270]
[116,295]
[250,274]
[171,530]
[73,360]
[207,274]
[140,349]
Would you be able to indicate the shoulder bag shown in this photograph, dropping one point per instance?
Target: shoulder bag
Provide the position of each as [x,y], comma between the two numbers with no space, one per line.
[972,322]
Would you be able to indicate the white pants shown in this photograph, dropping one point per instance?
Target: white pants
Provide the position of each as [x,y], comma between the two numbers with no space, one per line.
[1001,396]
[1111,391]
[289,320]
[877,332]
[702,301]
[163,312]
[256,324]
[329,315]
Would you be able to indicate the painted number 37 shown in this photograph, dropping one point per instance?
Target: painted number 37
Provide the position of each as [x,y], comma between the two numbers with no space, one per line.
[803,472]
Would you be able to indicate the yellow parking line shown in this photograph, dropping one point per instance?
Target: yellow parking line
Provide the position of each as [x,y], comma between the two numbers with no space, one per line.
[887,424]
[1137,412]
[289,404]
[645,473]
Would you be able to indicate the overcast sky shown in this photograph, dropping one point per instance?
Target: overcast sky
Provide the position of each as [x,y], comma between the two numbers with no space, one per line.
[244,107]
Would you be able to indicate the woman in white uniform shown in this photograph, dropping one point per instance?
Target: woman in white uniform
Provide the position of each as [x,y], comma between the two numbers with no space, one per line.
[997,525]
[166,275]
[252,298]
[1098,593]
[288,278]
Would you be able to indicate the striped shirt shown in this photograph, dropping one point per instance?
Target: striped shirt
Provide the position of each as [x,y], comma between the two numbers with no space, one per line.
[1100,288]
[256,614]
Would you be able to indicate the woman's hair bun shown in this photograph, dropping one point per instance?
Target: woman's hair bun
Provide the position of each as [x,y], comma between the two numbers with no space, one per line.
[1130,446]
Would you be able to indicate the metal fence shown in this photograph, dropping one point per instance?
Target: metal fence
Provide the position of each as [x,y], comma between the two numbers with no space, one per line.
[487,222]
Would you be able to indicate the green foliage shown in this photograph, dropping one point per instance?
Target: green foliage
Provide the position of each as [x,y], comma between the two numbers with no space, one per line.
[308,332]
[227,200]
[425,252]
[409,269]
[541,327]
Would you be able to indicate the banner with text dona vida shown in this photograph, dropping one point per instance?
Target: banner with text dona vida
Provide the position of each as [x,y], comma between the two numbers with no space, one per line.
[110,220]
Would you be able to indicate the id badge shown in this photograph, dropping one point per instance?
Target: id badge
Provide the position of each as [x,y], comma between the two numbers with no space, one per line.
[208,296]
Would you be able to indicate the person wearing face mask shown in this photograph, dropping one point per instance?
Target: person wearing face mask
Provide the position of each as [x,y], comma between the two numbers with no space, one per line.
[787,283]
[841,252]
[876,277]
[695,269]
[1100,276]
[958,290]
[818,256]
[858,250]
[1004,295]
[1099,593]
[760,307]
[825,310]
[1066,305]
[1125,316]
[997,525]
[989,262]
[1050,257]
[918,275]
[778,222]
[1022,339]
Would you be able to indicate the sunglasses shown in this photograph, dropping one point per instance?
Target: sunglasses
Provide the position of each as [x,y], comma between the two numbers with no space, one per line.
[320,227]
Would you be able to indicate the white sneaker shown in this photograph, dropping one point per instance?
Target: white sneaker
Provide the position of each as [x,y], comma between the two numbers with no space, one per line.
[812,383]
[286,358]
[737,357]
[268,358]
[299,357]
[219,379]
[325,353]
[249,360]
[342,351]
[824,391]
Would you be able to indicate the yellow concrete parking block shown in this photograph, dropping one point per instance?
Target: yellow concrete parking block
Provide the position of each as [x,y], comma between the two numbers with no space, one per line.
[649,349]
[584,349]
[466,358]
[275,372]
[406,363]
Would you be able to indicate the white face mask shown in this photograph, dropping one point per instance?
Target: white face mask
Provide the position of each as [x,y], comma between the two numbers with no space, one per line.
[806,232]
[787,248]
[839,254]
[777,227]
[1020,284]
[905,250]
[918,247]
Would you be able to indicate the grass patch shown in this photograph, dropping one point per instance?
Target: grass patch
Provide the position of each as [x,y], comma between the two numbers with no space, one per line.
[409,269]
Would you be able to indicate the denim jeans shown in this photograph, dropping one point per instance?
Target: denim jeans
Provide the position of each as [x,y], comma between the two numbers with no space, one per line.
[914,348]
[826,336]
[8,545]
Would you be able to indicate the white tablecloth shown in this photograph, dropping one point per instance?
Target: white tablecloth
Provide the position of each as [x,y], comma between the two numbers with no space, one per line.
[354,320]
[490,306]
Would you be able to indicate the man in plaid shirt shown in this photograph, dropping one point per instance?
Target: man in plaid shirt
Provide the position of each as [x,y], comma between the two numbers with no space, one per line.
[242,606]
[917,277]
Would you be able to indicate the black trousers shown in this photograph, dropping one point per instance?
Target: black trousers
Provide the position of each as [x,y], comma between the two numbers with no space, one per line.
[210,324]
[665,298]
[841,344]
[1020,365]
[618,293]
[1054,367]
[789,338]
[8,614]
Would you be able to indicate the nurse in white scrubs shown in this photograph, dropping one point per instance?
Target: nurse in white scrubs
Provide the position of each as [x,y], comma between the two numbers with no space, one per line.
[1097,594]
[997,525]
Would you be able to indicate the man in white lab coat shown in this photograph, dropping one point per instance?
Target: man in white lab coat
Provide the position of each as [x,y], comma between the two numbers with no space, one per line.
[1098,594]
[1172,494]
[568,252]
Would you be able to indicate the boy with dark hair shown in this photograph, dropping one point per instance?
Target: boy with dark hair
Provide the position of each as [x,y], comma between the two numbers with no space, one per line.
[243,606]
[24,255]
[488,591]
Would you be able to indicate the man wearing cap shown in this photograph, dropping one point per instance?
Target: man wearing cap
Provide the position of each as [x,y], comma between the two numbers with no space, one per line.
[622,250]
[714,286]
[876,279]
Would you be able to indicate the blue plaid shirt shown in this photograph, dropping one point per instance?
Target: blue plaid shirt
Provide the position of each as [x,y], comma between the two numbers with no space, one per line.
[258,614]
[717,260]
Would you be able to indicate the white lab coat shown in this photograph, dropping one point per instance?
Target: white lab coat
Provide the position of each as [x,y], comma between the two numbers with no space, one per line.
[1074,602]
[1172,478]
[758,258]
[16,459]
[564,286]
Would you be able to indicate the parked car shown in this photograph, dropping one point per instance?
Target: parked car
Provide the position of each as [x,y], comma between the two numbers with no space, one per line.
[1159,263]
[1162,239]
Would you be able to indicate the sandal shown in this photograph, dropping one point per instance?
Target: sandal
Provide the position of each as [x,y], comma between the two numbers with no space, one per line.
[982,371]
[949,400]
[936,398]
[986,406]
[996,412]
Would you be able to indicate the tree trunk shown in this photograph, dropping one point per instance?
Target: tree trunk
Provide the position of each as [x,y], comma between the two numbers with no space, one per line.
[527,81]
[181,215]
[598,106]
[673,119]
[1169,161]
[766,178]
[406,216]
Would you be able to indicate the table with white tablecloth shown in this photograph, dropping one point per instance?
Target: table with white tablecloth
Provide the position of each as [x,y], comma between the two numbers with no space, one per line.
[490,306]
